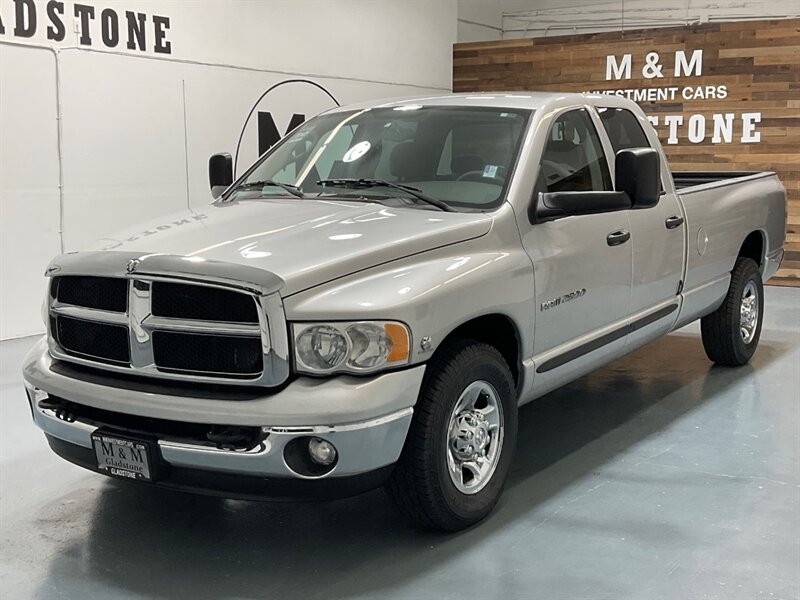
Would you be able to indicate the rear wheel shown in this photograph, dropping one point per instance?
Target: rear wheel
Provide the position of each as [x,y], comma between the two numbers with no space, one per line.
[731,333]
[459,448]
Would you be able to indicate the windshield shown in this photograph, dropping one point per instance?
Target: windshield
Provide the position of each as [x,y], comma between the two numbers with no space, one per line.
[462,156]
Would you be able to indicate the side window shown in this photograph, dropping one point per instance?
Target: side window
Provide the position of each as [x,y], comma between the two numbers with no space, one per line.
[623,129]
[573,159]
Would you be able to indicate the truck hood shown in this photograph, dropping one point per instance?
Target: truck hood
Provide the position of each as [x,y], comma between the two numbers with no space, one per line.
[304,241]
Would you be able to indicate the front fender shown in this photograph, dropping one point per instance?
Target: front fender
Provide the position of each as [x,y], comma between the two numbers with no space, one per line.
[433,292]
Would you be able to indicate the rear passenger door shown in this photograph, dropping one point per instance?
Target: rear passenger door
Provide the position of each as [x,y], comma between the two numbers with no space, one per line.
[657,239]
[582,270]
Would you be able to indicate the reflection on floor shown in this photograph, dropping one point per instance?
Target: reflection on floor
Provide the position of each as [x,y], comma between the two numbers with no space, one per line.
[659,476]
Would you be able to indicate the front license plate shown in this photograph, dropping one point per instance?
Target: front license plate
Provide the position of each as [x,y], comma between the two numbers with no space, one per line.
[122,457]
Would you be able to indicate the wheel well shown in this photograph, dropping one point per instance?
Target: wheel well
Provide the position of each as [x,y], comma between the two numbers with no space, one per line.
[497,331]
[753,247]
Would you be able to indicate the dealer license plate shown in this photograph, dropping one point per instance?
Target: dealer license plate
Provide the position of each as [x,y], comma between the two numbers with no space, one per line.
[122,457]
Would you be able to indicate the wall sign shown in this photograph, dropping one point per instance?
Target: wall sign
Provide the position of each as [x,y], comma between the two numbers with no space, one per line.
[694,127]
[96,26]
[722,96]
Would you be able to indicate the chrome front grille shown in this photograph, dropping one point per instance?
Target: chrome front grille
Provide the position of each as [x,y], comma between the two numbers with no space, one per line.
[102,293]
[182,301]
[226,355]
[195,325]
[103,342]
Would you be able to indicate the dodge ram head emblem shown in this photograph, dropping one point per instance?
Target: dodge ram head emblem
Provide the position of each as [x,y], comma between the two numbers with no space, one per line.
[132,265]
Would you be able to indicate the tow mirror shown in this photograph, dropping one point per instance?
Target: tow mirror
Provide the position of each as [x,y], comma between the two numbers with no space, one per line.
[638,174]
[220,173]
[557,205]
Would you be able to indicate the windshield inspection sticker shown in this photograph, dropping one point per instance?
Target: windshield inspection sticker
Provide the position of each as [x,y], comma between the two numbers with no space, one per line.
[357,151]
[490,171]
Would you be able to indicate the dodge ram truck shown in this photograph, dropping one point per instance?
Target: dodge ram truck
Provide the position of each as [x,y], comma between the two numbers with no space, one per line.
[369,304]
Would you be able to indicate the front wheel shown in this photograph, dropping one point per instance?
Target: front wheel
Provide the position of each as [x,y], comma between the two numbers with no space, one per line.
[459,448]
[731,333]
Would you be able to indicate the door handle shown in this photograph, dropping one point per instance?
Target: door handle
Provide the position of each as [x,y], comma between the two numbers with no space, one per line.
[674,221]
[615,238]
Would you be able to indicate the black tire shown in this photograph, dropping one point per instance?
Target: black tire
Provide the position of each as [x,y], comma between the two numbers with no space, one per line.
[722,338]
[421,485]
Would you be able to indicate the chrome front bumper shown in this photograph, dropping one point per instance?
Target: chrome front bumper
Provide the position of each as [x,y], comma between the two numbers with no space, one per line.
[365,419]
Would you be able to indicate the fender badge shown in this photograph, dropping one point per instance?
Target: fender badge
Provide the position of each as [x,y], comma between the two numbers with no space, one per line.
[132,265]
[562,299]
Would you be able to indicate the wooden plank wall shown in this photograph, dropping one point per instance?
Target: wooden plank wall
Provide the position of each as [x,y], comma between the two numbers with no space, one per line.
[758,61]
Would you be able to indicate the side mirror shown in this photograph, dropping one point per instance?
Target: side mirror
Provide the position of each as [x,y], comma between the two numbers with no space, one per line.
[220,173]
[556,205]
[638,174]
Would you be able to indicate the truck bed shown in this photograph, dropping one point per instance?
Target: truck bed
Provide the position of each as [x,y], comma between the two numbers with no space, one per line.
[722,210]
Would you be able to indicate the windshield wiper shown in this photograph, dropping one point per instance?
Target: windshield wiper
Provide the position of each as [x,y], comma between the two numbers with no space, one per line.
[368,183]
[292,189]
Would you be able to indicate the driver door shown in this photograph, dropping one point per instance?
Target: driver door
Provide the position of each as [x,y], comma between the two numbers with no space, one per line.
[582,264]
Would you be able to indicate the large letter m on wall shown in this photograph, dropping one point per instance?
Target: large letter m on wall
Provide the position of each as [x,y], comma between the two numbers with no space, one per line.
[268,134]
[619,71]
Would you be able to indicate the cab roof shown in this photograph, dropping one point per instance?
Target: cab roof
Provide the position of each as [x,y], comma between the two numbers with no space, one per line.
[518,100]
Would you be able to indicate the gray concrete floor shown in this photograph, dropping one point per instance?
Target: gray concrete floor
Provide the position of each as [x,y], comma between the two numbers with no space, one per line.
[657,477]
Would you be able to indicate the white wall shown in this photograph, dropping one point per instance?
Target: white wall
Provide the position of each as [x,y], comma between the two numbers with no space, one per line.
[137,128]
[480,20]
[504,19]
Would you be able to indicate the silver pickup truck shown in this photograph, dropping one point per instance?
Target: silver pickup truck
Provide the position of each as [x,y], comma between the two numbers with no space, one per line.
[370,303]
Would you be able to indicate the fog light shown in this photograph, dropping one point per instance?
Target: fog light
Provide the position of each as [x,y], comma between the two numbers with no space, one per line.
[321,451]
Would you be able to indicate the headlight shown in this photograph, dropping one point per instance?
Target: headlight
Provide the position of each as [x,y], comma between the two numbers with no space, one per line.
[321,348]
[362,347]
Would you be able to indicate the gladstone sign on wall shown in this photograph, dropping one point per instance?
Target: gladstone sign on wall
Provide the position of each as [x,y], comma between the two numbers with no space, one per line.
[96,26]
[722,96]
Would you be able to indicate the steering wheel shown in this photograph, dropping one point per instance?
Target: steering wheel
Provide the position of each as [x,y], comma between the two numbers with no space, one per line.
[478,176]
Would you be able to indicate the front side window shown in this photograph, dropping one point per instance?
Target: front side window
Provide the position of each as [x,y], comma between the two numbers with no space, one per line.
[463,156]
[573,158]
[623,129]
